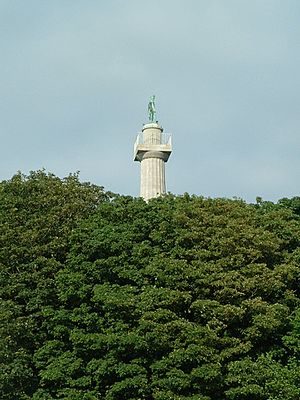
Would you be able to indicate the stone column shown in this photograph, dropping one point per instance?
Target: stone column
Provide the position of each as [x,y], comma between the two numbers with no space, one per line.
[152,152]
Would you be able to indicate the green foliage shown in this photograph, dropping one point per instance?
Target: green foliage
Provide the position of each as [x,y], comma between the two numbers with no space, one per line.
[114,298]
[264,379]
[37,215]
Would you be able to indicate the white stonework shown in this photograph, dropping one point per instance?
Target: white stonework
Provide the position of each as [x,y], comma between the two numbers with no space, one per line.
[152,148]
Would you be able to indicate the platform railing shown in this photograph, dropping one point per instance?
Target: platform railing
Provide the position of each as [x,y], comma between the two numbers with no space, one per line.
[166,138]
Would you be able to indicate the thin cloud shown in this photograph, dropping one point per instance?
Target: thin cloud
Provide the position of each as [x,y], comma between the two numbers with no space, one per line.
[75,81]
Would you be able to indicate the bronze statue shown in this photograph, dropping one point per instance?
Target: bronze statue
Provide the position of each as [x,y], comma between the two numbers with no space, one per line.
[151,109]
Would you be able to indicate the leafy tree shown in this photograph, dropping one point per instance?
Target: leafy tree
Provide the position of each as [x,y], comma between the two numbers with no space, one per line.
[263,379]
[113,298]
[37,215]
[164,300]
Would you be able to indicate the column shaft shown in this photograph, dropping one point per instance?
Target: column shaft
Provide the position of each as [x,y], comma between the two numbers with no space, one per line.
[153,182]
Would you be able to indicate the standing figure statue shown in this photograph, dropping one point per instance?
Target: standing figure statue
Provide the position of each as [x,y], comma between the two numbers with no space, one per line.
[151,109]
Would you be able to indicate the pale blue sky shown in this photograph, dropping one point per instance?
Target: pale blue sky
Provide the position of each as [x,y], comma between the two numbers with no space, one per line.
[76,75]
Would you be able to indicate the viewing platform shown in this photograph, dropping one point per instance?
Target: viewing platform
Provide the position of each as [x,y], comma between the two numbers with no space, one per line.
[152,139]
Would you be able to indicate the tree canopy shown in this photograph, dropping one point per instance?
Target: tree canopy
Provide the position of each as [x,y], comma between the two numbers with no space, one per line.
[109,297]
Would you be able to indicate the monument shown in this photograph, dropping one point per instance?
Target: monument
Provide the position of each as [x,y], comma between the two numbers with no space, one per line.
[152,149]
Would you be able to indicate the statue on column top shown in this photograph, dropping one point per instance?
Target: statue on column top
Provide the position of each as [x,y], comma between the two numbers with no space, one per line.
[151,109]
